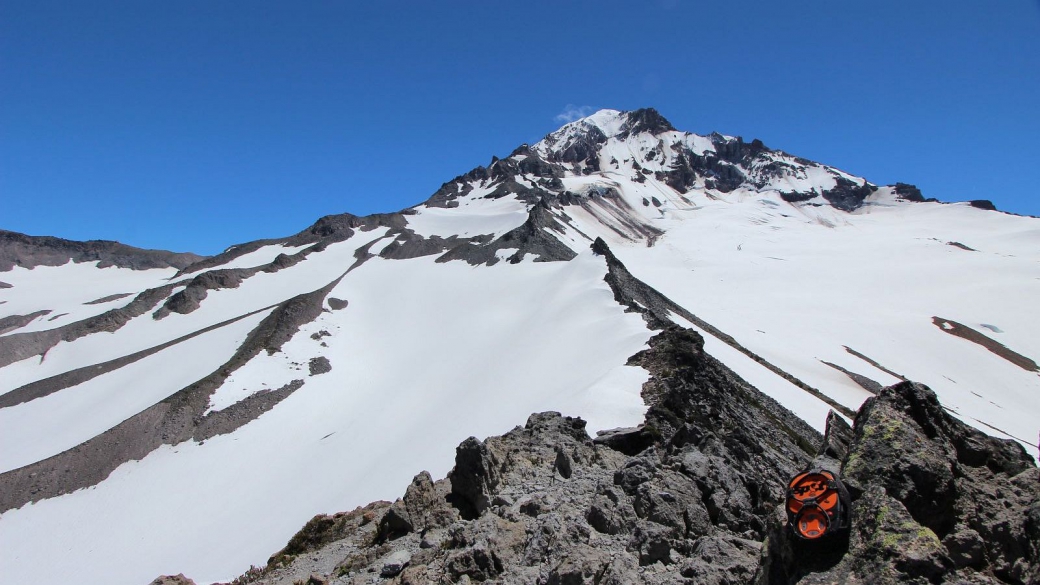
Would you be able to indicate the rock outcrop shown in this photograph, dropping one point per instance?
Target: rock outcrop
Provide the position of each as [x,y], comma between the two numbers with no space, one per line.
[30,251]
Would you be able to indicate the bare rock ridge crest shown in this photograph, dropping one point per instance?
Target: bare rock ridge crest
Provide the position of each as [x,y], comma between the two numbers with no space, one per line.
[28,251]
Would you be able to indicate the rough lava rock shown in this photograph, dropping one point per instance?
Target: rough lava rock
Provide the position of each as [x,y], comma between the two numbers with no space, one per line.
[29,251]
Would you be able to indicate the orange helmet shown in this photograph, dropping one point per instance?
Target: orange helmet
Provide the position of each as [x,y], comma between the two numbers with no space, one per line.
[817,504]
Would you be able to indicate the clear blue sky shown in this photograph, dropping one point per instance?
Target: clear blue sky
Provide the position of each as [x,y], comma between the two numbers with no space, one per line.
[192,125]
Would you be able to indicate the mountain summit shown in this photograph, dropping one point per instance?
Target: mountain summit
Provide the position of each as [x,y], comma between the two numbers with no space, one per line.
[170,413]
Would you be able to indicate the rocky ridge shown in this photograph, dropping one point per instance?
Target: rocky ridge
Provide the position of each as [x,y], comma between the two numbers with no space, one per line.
[29,251]
[694,495]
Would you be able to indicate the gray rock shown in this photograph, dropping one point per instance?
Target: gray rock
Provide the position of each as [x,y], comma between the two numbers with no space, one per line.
[179,579]
[630,440]
[395,563]
[319,365]
[965,547]
[29,251]
[477,562]
[423,507]
[722,561]
[474,477]
[107,299]
[12,322]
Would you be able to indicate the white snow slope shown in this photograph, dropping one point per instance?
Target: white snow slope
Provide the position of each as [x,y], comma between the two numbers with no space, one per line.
[428,352]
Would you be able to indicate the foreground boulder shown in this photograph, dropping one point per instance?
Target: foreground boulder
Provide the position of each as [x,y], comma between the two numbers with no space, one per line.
[696,495]
[934,501]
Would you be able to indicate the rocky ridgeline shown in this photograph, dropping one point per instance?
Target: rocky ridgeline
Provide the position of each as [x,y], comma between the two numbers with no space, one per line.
[694,496]
[30,251]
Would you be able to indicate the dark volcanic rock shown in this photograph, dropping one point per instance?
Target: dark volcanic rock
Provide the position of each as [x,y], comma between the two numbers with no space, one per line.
[424,506]
[221,422]
[583,148]
[735,150]
[983,204]
[319,365]
[28,251]
[545,504]
[107,299]
[631,441]
[12,322]
[529,238]
[644,120]
[847,195]
[908,192]
[191,297]
[474,478]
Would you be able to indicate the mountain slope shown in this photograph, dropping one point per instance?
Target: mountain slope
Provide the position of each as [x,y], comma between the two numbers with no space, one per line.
[695,496]
[241,394]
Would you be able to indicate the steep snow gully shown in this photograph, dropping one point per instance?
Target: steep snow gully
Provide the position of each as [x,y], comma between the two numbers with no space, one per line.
[723,301]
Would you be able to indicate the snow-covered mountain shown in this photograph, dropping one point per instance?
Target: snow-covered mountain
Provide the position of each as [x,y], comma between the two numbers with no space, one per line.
[162,413]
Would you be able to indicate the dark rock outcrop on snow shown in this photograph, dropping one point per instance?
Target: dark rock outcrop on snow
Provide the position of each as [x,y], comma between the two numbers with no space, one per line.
[908,192]
[109,298]
[983,204]
[847,195]
[189,299]
[29,251]
[12,322]
[695,495]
